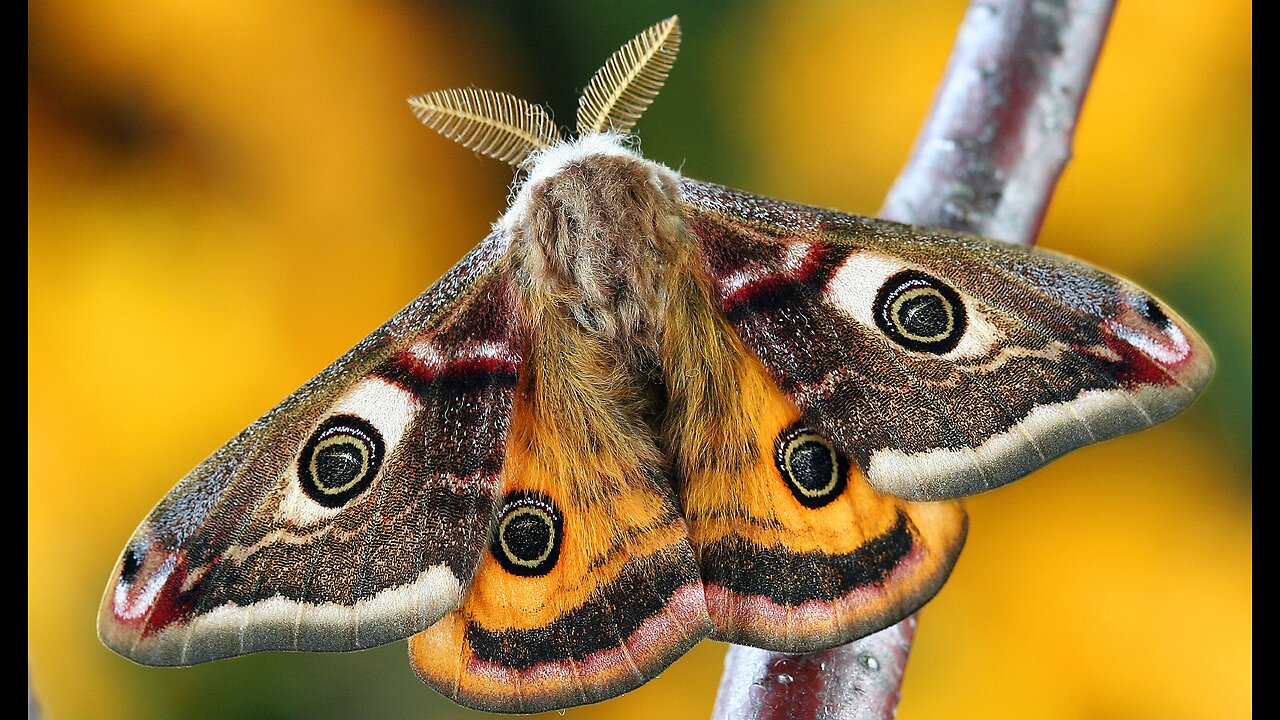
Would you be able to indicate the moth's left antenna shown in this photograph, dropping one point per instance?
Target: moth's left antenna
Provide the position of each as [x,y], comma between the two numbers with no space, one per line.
[491,123]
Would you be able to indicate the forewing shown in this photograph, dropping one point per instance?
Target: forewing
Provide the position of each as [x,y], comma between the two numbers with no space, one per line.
[350,515]
[945,364]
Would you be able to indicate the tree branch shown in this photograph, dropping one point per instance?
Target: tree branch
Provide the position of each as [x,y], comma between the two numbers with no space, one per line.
[987,162]
[989,156]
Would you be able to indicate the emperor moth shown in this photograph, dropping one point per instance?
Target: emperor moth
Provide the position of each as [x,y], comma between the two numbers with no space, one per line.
[644,411]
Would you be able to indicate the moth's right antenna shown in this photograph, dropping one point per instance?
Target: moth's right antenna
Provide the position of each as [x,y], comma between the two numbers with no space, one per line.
[621,91]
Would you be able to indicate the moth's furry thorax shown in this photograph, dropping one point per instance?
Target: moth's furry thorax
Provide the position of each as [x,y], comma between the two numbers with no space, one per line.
[632,356]
[596,233]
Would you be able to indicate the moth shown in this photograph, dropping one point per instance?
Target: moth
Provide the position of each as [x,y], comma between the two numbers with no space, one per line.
[643,412]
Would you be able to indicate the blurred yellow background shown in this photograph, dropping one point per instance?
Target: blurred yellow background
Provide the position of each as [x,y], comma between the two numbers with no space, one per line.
[223,197]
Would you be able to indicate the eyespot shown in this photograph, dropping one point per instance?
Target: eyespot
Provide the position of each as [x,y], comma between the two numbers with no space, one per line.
[340,460]
[527,539]
[920,312]
[129,566]
[815,471]
[1150,309]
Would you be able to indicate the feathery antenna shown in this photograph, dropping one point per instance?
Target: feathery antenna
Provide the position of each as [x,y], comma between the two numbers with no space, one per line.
[491,123]
[621,91]
[505,127]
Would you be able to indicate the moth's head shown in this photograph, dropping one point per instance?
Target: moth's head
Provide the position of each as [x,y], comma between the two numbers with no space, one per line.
[585,176]
[523,134]
[551,160]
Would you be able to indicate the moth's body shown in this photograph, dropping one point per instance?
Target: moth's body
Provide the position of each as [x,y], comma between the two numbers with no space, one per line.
[644,411]
[632,358]
[635,390]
